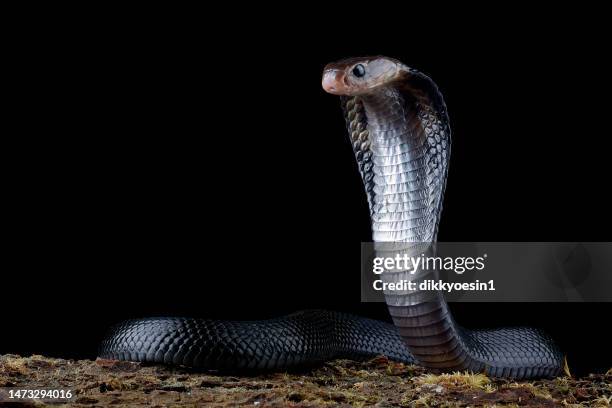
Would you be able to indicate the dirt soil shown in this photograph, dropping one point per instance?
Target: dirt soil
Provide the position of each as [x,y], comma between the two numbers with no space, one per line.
[379,383]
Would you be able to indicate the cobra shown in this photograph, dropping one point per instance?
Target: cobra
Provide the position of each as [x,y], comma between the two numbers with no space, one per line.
[399,130]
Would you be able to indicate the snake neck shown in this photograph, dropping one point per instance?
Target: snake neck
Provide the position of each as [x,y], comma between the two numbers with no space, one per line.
[408,146]
[401,186]
[401,138]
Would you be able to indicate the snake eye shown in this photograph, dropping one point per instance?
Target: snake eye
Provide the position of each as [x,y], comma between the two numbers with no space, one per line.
[359,71]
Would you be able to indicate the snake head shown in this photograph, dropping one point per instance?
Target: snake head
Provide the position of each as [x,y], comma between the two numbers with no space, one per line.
[358,76]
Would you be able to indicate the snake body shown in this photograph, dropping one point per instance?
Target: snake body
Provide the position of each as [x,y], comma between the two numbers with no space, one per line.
[399,129]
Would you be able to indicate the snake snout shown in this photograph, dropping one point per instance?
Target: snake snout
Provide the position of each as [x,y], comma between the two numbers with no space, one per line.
[332,81]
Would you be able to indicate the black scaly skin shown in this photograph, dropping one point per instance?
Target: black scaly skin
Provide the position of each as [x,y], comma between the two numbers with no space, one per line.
[401,138]
[300,339]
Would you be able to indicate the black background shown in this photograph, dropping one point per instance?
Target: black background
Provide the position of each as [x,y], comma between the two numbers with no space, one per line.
[175,173]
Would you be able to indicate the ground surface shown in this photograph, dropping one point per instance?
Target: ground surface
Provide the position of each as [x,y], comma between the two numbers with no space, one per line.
[378,383]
